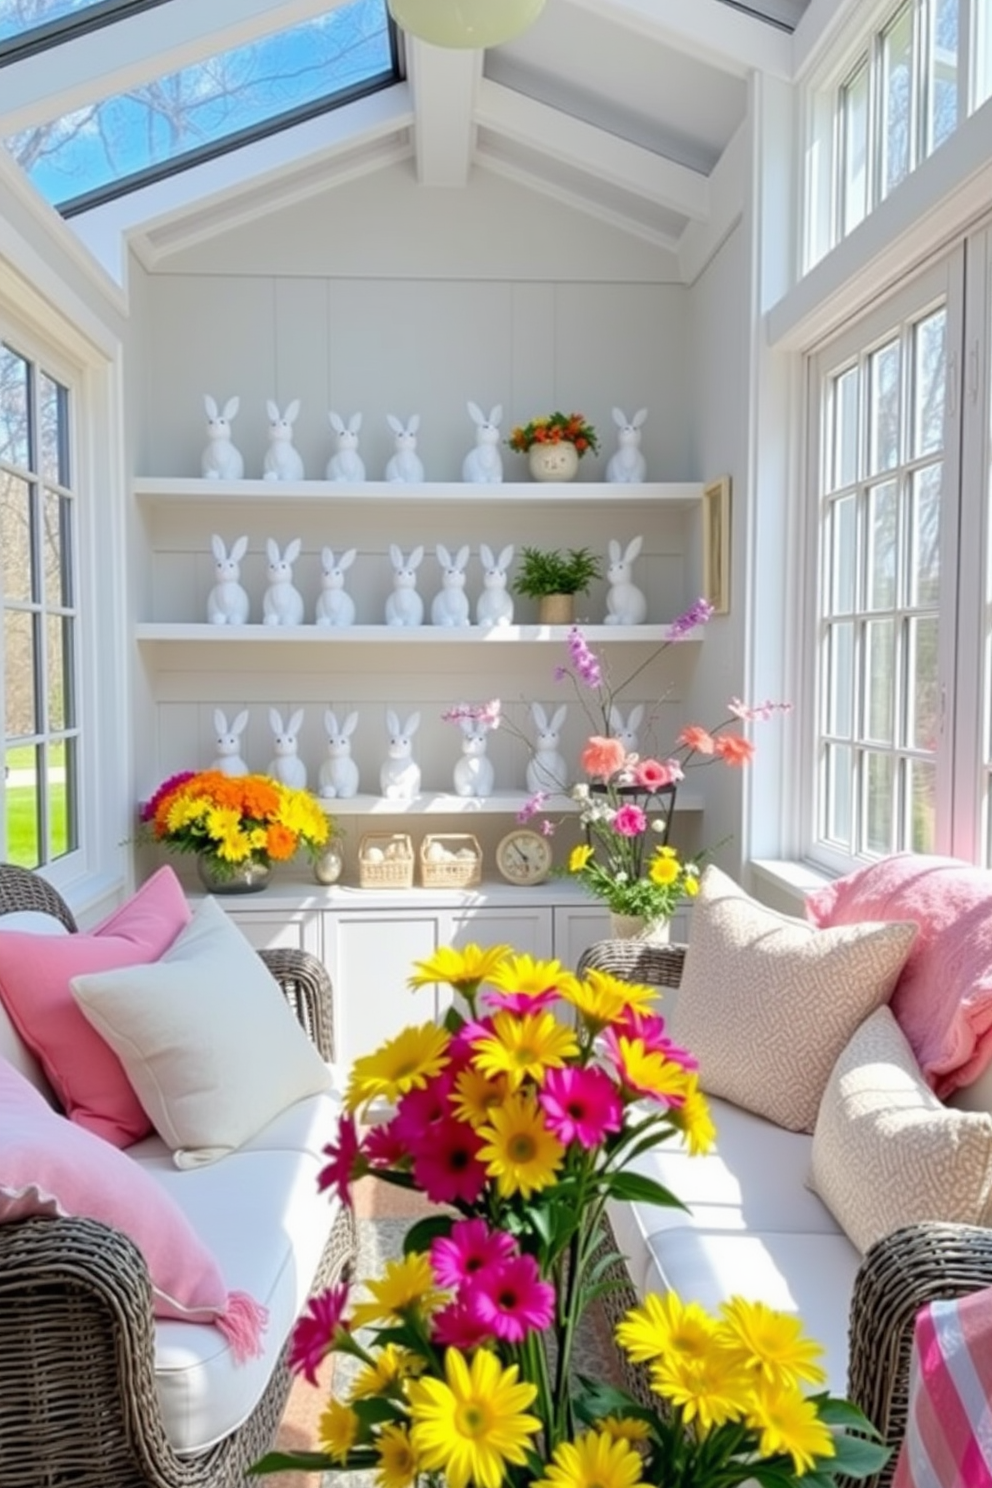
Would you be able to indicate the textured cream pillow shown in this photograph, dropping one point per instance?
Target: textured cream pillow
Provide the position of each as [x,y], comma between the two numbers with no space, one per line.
[205,1037]
[767,1003]
[886,1152]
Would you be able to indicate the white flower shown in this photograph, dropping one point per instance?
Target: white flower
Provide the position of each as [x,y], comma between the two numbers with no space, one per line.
[580,791]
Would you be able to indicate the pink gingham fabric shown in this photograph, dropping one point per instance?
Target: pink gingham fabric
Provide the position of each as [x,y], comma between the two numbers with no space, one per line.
[948,1441]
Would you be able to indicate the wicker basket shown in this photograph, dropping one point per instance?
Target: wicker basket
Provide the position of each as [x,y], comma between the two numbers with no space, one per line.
[450,860]
[385,861]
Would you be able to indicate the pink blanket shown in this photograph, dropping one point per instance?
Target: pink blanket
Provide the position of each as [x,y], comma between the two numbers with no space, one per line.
[948,1442]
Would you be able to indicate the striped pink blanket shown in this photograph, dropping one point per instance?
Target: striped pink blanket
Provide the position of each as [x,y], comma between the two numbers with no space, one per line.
[948,1442]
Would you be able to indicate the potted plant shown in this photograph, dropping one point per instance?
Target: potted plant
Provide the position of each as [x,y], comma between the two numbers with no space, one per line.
[553,577]
[554,444]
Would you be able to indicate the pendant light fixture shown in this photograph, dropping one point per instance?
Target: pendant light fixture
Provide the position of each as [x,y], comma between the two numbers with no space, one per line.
[465,23]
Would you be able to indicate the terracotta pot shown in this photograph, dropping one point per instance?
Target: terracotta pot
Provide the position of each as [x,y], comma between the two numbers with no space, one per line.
[553,462]
[556,609]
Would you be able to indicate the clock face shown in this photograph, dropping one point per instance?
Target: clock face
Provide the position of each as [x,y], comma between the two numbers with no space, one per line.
[524,857]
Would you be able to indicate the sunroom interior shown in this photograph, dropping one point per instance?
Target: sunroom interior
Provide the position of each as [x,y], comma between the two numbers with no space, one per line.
[766,224]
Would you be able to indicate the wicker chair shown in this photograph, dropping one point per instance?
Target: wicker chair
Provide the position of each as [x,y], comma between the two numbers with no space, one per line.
[912,1266]
[78,1403]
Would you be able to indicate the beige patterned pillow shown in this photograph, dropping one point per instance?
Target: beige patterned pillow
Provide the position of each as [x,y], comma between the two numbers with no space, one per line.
[886,1152]
[767,1002]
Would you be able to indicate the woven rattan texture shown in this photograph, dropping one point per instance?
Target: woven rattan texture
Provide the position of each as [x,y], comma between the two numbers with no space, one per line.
[78,1404]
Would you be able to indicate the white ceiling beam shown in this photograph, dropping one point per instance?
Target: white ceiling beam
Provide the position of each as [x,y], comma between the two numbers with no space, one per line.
[153,43]
[706,29]
[607,157]
[443,81]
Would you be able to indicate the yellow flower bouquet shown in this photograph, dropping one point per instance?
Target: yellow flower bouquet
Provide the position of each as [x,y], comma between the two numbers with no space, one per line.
[519,1118]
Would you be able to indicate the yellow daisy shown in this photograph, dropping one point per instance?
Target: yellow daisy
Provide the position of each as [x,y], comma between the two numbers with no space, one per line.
[709,1390]
[520,1152]
[579,857]
[650,1072]
[407,1287]
[694,1120]
[663,870]
[663,1325]
[403,1063]
[771,1343]
[474,1098]
[522,1046]
[527,976]
[789,1423]
[473,1422]
[338,1428]
[462,969]
[595,1460]
[603,999]
[398,1466]
[392,1365]
[625,1428]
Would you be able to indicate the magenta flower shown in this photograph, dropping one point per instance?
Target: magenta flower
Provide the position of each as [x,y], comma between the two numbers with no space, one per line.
[456,1326]
[650,1029]
[511,1300]
[150,807]
[584,660]
[696,614]
[581,1105]
[420,1109]
[382,1147]
[345,1164]
[532,806]
[445,1163]
[630,821]
[313,1336]
[470,1248]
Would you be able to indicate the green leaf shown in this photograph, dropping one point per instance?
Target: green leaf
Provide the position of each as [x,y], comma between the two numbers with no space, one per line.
[595,1399]
[373,1410]
[856,1457]
[288,1461]
[638,1189]
[419,1236]
[834,1411]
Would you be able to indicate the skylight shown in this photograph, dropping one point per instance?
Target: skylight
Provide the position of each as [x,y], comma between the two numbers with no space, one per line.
[223,101]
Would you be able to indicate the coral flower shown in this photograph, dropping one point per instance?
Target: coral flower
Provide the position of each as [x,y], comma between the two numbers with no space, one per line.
[403,1063]
[473,1422]
[313,1334]
[521,1151]
[696,738]
[733,749]
[581,1105]
[398,1466]
[511,1300]
[603,757]
[598,1459]
[345,1164]
[446,1165]
[470,1248]
[651,775]
[522,1047]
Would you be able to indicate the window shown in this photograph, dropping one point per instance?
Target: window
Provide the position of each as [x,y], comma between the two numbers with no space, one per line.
[28,26]
[896,96]
[39,617]
[899,701]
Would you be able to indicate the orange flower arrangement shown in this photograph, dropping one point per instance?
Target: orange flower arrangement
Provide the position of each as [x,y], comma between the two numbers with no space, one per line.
[555,428]
[234,819]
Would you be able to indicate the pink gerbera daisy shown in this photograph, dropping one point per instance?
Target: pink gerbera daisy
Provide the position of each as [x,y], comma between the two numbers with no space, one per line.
[511,1299]
[445,1164]
[470,1248]
[345,1164]
[630,821]
[581,1105]
[420,1109]
[456,1326]
[313,1335]
[383,1147]
[650,1029]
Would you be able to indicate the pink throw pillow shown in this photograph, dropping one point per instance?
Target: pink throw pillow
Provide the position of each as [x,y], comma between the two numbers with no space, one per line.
[35,971]
[943,998]
[50,1167]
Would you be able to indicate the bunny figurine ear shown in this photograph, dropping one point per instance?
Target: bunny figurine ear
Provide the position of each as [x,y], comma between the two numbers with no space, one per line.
[295,722]
[475,413]
[330,722]
[220,721]
[412,724]
[210,406]
[394,423]
[275,720]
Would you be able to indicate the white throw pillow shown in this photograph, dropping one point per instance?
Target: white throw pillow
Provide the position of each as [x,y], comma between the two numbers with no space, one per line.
[886,1152]
[205,1037]
[767,1002]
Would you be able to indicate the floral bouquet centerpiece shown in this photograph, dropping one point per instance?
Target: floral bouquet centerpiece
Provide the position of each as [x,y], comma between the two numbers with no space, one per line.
[463,1369]
[555,428]
[234,822]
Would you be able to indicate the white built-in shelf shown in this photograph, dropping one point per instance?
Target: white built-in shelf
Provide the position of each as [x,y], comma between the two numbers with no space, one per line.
[153,631]
[171,490]
[441,803]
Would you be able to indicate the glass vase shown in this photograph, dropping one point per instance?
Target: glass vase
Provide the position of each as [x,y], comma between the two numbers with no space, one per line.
[232,878]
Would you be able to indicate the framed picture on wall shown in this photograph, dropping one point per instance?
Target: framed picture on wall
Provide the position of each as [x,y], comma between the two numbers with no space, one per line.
[716,544]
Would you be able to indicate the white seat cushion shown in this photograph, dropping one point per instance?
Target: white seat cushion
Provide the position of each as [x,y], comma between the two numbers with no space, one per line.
[808,1275]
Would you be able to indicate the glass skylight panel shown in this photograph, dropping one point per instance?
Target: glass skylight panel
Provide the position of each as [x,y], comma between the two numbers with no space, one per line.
[28,25]
[209,107]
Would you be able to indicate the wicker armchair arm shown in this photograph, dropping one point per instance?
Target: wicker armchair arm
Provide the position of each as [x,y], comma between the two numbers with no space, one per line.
[655,965]
[307,988]
[914,1265]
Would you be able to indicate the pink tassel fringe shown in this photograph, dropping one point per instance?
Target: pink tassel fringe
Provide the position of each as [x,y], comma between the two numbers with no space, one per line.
[242,1325]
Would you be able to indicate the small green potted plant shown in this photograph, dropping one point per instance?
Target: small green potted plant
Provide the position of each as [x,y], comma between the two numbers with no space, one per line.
[553,577]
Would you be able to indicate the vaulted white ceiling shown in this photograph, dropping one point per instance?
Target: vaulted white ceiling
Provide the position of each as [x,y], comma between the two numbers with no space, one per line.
[622,108]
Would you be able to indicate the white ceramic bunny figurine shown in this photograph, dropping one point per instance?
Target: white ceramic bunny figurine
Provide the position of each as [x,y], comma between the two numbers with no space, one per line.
[283,461]
[627,464]
[339,773]
[626,732]
[228,742]
[227,602]
[286,765]
[546,769]
[484,464]
[346,464]
[474,771]
[334,606]
[625,603]
[405,606]
[450,604]
[282,603]
[220,460]
[494,605]
[405,464]
[399,775]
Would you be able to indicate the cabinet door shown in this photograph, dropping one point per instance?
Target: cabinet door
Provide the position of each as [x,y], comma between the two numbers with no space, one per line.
[525,928]
[370,955]
[576,928]
[278,929]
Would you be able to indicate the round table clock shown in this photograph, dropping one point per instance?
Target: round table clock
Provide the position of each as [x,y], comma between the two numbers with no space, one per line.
[524,857]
